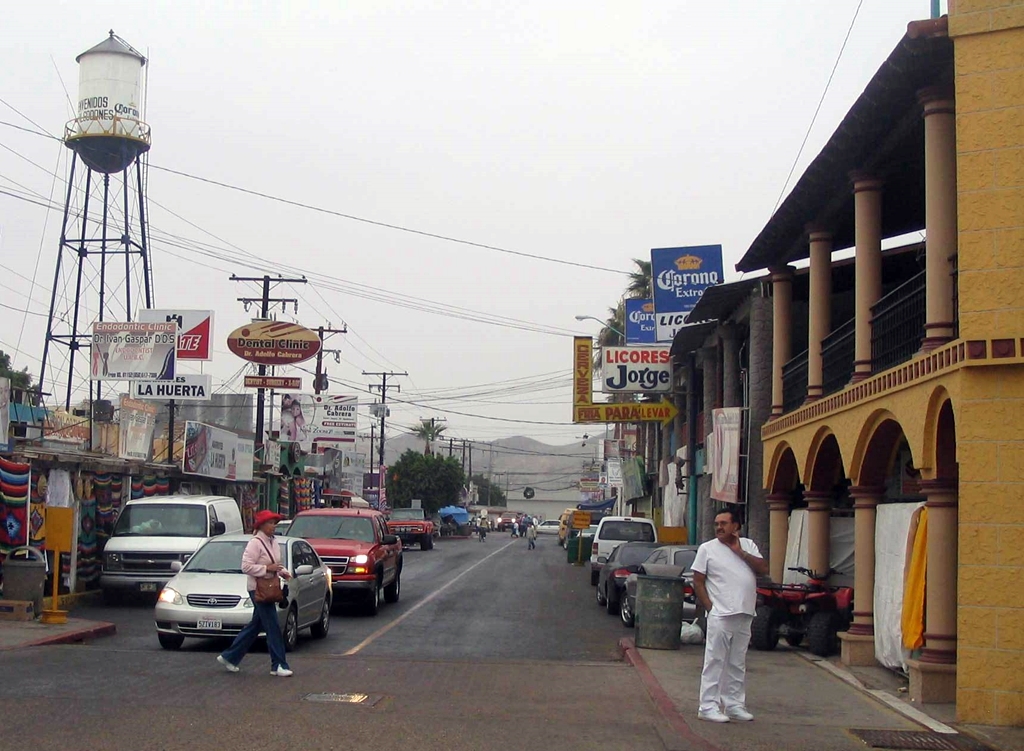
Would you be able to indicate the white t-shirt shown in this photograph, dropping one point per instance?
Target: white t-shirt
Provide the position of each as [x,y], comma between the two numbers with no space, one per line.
[731,583]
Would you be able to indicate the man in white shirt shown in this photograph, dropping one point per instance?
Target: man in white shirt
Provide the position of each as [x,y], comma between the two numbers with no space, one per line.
[725,580]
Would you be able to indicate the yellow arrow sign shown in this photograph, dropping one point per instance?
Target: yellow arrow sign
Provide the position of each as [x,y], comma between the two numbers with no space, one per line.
[663,412]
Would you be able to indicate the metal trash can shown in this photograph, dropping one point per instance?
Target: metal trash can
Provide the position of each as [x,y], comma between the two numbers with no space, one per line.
[659,612]
[572,545]
[25,578]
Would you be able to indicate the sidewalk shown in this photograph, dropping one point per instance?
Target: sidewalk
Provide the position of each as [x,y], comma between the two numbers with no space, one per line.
[22,634]
[797,704]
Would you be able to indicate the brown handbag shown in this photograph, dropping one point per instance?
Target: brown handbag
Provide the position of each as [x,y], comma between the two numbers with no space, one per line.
[269,589]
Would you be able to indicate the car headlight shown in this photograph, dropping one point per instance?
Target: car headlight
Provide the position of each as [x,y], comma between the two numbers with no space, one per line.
[247,602]
[113,561]
[360,559]
[170,596]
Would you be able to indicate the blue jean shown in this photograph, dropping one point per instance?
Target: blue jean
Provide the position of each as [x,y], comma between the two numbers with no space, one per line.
[264,618]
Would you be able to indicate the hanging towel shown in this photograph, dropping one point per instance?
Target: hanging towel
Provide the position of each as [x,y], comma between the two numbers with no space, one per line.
[913,593]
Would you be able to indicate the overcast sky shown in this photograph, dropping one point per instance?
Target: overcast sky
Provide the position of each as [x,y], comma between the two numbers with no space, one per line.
[583,131]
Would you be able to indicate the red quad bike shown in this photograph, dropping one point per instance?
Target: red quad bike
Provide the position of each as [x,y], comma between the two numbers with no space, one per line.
[793,611]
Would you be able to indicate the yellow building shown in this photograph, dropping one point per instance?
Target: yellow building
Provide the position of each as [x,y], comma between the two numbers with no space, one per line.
[920,394]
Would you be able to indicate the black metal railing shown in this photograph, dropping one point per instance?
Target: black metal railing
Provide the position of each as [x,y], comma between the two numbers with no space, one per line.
[897,324]
[837,355]
[794,382]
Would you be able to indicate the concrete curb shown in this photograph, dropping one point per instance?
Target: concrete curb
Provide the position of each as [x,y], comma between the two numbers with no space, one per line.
[87,633]
[661,698]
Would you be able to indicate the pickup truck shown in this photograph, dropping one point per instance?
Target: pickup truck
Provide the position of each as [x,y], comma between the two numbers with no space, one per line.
[412,527]
[365,559]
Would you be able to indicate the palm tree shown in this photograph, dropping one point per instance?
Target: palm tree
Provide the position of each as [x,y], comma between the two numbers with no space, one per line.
[640,280]
[611,335]
[429,431]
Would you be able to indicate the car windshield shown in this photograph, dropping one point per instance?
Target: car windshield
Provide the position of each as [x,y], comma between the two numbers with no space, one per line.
[162,520]
[221,557]
[627,531]
[407,514]
[684,558]
[632,555]
[329,527]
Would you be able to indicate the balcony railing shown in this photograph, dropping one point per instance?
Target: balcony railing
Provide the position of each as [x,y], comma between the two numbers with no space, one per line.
[837,355]
[794,382]
[897,325]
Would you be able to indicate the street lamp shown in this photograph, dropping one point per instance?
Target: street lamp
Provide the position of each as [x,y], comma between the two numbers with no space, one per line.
[603,323]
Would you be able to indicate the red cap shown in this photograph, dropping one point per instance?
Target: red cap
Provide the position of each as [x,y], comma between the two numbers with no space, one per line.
[263,517]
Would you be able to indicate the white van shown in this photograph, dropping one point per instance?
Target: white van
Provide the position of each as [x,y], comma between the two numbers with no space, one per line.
[611,532]
[152,533]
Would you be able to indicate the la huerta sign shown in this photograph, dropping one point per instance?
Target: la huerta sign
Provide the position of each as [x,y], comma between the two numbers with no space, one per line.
[274,343]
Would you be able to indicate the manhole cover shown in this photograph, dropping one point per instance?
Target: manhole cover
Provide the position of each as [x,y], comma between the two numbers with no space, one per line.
[363,700]
[925,740]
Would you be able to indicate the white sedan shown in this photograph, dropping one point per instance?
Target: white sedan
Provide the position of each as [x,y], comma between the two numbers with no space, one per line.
[208,597]
[549,527]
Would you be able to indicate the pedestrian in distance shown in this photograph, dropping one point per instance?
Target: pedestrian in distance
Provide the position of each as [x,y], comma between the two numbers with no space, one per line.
[725,573]
[531,536]
[515,529]
[261,561]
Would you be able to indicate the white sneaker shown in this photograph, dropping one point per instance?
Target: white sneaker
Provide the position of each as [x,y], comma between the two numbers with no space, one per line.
[712,715]
[281,672]
[227,665]
[739,713]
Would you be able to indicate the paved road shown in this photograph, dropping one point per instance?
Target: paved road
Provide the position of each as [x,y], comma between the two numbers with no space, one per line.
[492,646]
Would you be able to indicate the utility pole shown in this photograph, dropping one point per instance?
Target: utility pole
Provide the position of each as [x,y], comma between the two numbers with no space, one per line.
[264,302]
[383,387]
[320,379]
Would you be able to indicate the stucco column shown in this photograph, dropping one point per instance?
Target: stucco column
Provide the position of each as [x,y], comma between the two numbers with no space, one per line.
[819,509]
[933,677]
[778,534]
[867,201]
[732,391]
[858,644]
[820,308]
[939,213]
[782,302]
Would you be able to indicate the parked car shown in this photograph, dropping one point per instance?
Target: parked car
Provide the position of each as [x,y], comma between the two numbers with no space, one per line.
[365,559]
[563,525]
[613,531]
[549,527]
[624,560]
[412,527]
[208,596]
[151,534]
[668,560]
[283,526]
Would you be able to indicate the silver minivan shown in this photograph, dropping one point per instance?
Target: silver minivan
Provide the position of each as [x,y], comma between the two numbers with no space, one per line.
[151,534]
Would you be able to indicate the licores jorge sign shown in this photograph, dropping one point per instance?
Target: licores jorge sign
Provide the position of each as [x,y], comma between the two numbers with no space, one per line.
[274,343]
[636,370]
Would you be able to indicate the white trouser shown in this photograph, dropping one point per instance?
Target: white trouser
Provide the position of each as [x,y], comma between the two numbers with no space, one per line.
[723,680]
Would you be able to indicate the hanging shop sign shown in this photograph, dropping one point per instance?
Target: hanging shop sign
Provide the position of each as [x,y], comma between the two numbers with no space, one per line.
[640,323]
[138,421]
[195,330]
[274,343]
[189,387]
[724,456]
[133,351]
[582,371]
[273,382]
[210,451]
[6,442]
[679,277]
[244,454]
[344,471]
[636,370]
[585,410]
[316,421]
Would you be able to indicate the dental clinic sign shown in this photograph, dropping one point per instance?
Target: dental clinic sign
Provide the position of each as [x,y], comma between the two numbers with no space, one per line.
[636,370]
[680,276]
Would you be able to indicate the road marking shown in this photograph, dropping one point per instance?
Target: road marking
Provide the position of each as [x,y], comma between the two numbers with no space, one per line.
[384,629]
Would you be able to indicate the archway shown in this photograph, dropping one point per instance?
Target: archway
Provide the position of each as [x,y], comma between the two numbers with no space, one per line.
[826,489]
[783,489]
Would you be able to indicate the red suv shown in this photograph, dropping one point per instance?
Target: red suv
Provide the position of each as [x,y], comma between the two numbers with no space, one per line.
[364,558]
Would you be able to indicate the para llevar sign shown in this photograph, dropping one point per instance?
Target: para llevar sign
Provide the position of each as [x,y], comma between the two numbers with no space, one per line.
[636,370]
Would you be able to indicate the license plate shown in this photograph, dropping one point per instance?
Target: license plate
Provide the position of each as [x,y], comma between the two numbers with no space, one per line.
[209,624]
[147,587]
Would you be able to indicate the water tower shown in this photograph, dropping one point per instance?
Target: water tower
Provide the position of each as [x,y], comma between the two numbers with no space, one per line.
[102,271]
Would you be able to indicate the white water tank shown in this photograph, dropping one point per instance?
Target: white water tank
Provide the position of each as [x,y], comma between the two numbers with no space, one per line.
[108,131]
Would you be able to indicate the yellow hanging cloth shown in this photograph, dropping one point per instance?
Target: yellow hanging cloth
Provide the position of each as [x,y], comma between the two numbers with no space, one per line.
[913,589]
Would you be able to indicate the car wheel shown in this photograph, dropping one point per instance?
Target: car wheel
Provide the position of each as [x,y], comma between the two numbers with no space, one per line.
[601,599]
[394,589]
[626,613]
[291,630]
[171,641]
[319,629]
[427,542]
[373,603]
[611,604]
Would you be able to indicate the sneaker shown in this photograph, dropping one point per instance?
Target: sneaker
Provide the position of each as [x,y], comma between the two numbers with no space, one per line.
[712,715]
[281,672]
[227,665]
[739,713]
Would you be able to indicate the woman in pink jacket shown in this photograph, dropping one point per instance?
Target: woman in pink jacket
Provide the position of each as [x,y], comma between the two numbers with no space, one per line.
[261,560]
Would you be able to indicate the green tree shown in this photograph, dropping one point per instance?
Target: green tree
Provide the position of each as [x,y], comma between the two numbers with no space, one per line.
[489,493]
[20,379]
[640,280]
[435,480]
[429,431]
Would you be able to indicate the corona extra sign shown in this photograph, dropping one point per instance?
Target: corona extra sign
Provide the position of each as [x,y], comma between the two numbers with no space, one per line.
[274,343]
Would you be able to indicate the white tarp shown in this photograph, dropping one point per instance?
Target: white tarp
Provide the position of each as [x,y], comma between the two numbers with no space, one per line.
[840,549]
[892,525]
[675,504]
